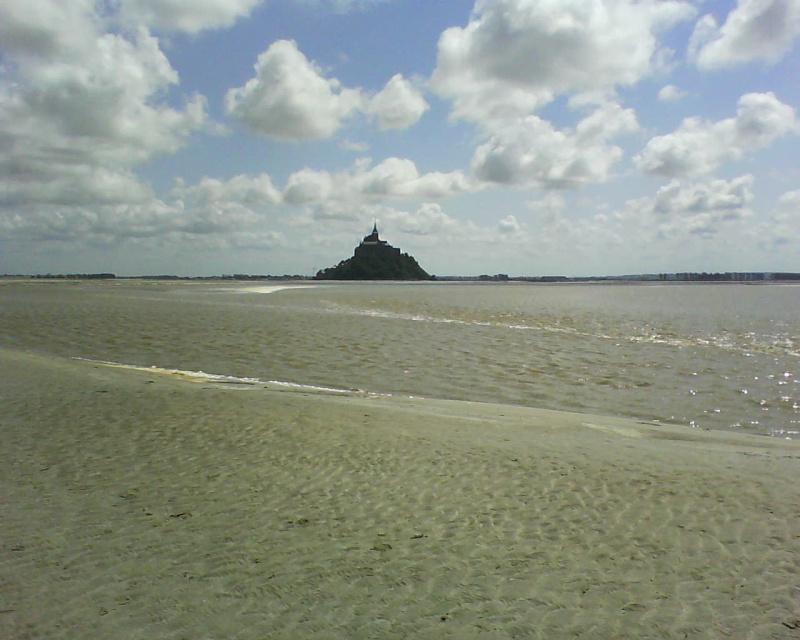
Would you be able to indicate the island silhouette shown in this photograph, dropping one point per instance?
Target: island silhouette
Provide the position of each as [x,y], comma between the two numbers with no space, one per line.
[375,259]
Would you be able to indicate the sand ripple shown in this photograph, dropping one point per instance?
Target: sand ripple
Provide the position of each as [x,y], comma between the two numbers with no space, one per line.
[135,506]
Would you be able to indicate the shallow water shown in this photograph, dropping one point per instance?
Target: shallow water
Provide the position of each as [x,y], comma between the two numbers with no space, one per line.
[711,356]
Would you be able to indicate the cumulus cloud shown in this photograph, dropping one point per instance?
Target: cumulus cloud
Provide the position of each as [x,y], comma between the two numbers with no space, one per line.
[509,225]
[428,220]
[785,219]
[699,146]
[190,17]
[80,108]
[239,205]
[210,207]
[789,204]
[783,225]
[307,186]
[354,145]
[398,105]
[753,30]
[97,97]
[532,152]
[670,93]
[726,197]
[97,225]
[290,99]
[392,178]
[697,208]
[251,190]
[41,28]
[399,177]
[549,208]
[516,55]
[79,185]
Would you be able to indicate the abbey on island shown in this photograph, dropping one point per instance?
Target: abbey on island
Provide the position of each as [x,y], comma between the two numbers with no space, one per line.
[375,259]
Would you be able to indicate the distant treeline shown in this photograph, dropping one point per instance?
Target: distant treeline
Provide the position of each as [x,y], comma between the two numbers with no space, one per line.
[76,276]
[235,276]
[723,277]
[111,276]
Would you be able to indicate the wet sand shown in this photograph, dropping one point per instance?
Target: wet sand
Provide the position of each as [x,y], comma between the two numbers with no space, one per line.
[135,504]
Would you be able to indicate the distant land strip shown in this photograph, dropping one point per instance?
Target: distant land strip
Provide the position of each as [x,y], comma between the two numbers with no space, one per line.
[730,276]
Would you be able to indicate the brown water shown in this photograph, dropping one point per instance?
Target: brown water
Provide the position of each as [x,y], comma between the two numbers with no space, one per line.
[710,356]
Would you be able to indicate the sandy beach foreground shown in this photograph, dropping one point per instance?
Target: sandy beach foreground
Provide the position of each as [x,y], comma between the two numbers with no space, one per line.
[141,505]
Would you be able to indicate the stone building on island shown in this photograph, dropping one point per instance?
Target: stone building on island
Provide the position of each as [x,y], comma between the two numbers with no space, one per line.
[375,259]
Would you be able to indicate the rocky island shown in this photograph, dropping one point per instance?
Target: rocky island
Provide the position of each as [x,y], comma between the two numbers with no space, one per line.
[375,259]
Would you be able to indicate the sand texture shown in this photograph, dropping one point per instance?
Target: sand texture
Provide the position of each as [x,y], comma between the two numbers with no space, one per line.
[144,505]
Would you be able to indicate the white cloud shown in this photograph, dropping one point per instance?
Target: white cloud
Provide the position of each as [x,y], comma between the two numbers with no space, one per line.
[354,145]
[435,184]
[362,191]
[685,225]
[509,225]
[397,177]
[217,218]
[42,28]
[398,105]
[238,207]
[308,186]
[95,225]
[726,197]
[260,241]
[89,98]
[515,55]
[697,208]
[180,15]
[753,30]
[547,209]
[210,207]
[290,99]
[705,29]
[782,228]
[531,152]
[392,178]
[78,185]
[789,204]
[428,220]
[80,108]
[99,100]
[670,93]
[251,190]
[699,146]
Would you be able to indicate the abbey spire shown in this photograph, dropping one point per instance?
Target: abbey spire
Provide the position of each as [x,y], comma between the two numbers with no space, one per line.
[375,259]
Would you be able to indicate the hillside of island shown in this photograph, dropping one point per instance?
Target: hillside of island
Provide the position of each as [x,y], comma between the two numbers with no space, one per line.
[375,259]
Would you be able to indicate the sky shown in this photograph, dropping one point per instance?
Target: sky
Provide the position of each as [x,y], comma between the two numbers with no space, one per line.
[525,137]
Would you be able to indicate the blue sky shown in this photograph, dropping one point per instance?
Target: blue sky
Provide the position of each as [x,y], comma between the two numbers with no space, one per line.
[529,137]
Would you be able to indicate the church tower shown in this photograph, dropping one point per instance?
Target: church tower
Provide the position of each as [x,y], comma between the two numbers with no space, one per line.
[375,259]
[373,238]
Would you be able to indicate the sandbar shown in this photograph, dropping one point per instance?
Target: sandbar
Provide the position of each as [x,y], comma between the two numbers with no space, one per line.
[135,504]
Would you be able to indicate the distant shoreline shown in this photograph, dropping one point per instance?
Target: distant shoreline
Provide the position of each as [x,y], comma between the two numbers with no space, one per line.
[694,277]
